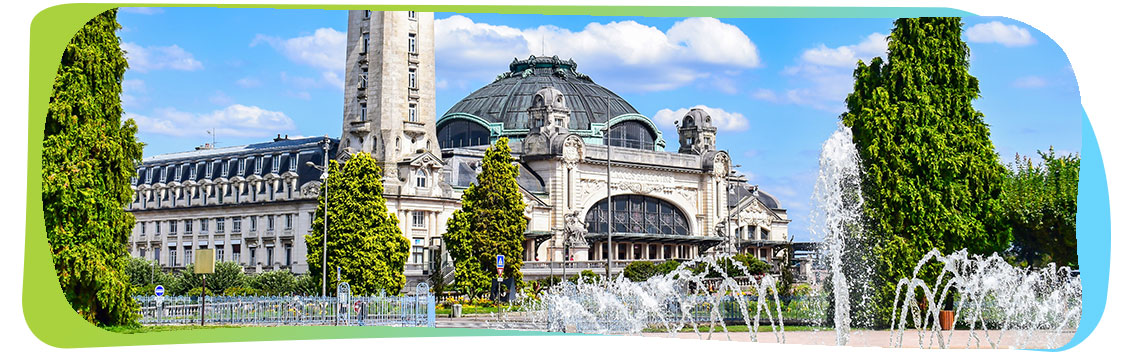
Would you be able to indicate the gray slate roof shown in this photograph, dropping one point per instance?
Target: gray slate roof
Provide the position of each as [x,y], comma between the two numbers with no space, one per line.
[507,98]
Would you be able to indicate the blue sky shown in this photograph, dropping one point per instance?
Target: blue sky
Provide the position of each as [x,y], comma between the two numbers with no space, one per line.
[774,86]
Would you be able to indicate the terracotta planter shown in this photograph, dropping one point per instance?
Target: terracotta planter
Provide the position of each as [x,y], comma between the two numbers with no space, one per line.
[945,317]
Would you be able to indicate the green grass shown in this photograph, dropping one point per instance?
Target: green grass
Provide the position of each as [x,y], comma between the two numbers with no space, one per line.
[467,310]
[145,329]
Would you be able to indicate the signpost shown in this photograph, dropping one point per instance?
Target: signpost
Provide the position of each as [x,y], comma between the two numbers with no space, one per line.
[159,293]
[500,263]
[204,265]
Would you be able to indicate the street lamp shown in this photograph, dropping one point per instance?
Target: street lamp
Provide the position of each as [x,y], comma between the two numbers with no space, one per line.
[608,184]
[325,204]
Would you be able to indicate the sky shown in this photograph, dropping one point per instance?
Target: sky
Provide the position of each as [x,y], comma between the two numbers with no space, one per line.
[774,87]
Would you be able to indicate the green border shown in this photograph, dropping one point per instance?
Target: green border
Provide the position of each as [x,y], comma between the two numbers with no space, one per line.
[51,319]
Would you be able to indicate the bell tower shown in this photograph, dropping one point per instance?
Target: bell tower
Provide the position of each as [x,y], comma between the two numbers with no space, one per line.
[389,107]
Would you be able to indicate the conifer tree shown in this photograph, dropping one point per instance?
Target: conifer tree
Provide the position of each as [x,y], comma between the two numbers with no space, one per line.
[490,223]
[364,238]
[932,178]
[89,154]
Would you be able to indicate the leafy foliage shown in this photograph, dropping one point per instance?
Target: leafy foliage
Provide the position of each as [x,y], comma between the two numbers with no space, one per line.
[667,267]
[274,283]
[489,223]
[308,284]
[586,276]
[639,271]
[89,154]
[931,175]
[1041,202]
[365,240]
[226,275]
[241,292]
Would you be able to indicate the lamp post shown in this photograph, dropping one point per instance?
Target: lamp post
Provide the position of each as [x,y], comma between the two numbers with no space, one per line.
[608,184]
[325,203]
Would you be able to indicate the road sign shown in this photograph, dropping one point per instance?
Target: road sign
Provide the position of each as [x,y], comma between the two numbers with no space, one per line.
[159,291]
[500,261]
[357,306]
[205,261]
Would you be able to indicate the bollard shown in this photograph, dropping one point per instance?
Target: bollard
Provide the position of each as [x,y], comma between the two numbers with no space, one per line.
[457,311]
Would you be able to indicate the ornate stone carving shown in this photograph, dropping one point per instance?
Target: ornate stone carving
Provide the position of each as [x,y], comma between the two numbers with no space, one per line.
[590,186]
[720,228]
[573,151]
[311,189]
[721,165]
[575,228]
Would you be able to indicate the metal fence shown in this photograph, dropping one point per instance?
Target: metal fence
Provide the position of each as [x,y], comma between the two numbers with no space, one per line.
[409,310]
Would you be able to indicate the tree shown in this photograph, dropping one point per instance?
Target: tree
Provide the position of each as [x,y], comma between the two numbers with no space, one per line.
[932,178]
[145,275]
[490,223]
[274,283]
[365,239]
[1041,202]
[226,275]
[639,271]
[89,154]
[308,284]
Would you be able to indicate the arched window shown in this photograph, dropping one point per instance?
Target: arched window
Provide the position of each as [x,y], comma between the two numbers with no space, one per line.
[462,133]
[638,214]
[421,178]
[631,134]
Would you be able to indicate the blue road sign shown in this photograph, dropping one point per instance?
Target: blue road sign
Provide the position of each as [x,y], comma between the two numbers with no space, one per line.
[500,261]
[159,291]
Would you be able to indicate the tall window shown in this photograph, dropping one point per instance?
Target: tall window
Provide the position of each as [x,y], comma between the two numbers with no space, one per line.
[631,134]
[224,165]
[187,255]
[158,225]
[235,253]
[176,175]
[192,172]
[143,227]
[258,165]
[294,162]
[253,260]
[364,112]
[188,226]
[271,223]
[172,256]
[363,79]
[412,14]
[638,214]
[275,161]
[242,166]
[462,133]
[204,225]
[412,78]
[208,171]
[235,224]
[254,223]
[412,43]
[157,255]
[368,13]
[172,227]
[418,219]
[270,255]
[289,219]
[219,253]
[220,224]
[421,178]
[288,257]
[365,42]
[412,113]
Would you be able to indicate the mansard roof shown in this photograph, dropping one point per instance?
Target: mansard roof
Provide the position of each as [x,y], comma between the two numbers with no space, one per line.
[163,168]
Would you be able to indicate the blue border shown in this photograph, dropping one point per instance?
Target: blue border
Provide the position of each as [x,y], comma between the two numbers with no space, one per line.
[1093,235]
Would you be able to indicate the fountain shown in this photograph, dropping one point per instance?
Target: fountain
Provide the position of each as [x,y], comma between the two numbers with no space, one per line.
[998,304]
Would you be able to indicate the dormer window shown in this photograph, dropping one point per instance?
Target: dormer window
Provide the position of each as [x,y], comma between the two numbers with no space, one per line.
[275,163]
[176,174]
[293,162]
[208,171]
[258,165]
[200,167]
[224,170]
[192,171]
[421,178]
[242,167]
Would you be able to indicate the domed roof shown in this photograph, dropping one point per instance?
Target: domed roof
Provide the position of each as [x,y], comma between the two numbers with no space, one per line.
[507,98]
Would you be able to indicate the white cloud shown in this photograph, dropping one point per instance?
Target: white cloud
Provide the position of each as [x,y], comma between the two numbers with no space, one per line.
[1030,81]
[323,50]
[722,119]
[144,59]
[824,74]
[626,55]
[846,56]
[997,32]
[233,121]
[132,93]
[142,10]
[220,98]
[248,82]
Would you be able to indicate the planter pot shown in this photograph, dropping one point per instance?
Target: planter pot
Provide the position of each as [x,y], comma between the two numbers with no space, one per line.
[945,318]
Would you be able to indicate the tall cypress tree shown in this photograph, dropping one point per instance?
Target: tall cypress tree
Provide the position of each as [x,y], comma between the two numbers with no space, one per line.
[89,154]
[932,178]
[364,238]
[490,223]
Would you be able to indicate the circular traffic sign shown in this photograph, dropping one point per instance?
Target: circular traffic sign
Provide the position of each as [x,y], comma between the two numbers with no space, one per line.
[357,306]
[159,291]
